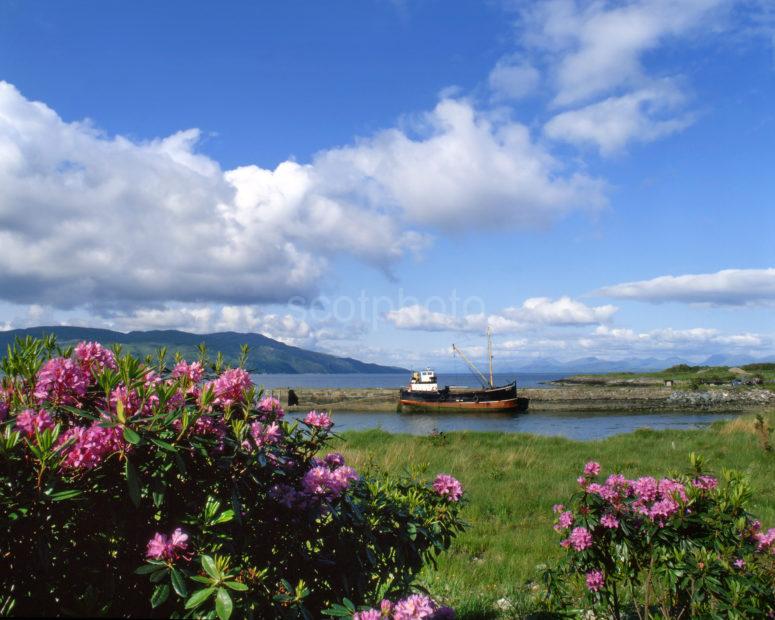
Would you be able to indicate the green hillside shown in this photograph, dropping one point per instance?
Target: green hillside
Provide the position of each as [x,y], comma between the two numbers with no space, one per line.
[266,355]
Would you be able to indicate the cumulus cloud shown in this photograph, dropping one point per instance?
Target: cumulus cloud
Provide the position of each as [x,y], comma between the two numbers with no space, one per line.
[728,287]
[537,311]
[86,218]
[692,341]
[596,47]
[612,123]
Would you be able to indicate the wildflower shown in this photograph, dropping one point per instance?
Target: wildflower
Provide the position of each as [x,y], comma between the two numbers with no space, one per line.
[160,547]
[765,541]
[580,538]
[30,422]
[414,607]
[564,521]
[91,445]
[265,434]
[369,614]
[94,358]
[269,405]
[231,386]
[739,563]
[595,580]
[61,381]
[447,486]
[334,459]
[192,372]
[558,508]
[592,469]
[610,521]
[319,419]
[706,483]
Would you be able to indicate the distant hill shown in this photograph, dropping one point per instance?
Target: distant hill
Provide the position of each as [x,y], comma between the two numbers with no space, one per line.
[266,355]
[635,364]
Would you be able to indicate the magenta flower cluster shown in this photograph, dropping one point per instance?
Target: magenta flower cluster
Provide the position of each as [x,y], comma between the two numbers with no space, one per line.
[62,381]
[318,419]
[448,487]
[94,358]
[30,422]
[326,482]
[413,607]
[91,445]
[172,547]
[230,387]
[595,580]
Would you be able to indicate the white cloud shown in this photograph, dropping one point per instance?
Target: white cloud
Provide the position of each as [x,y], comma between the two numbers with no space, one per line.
[468,171]
[669,341]
[612,123]
[90,219]
[562,311]
[537,311]
[512,78]
[732,287]
[597,47]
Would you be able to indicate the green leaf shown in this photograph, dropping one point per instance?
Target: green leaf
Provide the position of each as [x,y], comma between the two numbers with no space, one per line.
[160,594]
[146,569]
[199,597]
[178,582]
[133,483]
[131,436]
[223,604]
[236,585]
[210,568]
[63,495]
[164,445]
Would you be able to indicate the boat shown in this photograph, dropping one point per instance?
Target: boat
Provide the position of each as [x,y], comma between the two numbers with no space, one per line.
[424,395]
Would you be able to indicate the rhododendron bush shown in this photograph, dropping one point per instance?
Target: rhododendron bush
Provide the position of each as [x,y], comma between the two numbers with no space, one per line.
[684,546]
[132,488]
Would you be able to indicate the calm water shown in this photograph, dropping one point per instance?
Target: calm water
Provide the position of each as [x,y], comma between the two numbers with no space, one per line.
[573,425]
[394,380]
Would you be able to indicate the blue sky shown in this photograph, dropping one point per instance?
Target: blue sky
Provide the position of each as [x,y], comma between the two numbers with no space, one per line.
[379,179]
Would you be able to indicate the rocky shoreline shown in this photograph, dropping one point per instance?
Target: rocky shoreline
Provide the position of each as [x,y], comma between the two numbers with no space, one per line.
[576,397]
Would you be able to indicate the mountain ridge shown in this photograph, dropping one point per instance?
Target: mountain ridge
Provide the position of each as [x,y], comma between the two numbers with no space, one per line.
[266,354]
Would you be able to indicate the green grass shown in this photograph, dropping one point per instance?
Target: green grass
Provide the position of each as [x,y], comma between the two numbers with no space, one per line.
[512,481]
[684,373]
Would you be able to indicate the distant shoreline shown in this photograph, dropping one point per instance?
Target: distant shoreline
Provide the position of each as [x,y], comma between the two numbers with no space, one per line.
[561,398]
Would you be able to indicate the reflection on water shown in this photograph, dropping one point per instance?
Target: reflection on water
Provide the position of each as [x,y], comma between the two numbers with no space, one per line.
[573,425]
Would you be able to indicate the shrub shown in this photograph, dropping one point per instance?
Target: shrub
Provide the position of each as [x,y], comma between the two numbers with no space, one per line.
[136,490]
[677,547]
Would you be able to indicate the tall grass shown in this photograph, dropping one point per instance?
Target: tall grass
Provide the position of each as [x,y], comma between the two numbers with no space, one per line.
[512,481]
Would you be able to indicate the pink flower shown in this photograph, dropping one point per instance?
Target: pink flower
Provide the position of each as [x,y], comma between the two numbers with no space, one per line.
[386,607]
[263,435]
[231,386]
[92,445]
[564,521]
[62,382]
[706,483]
[765,541]
[162,548]
[447,486]
[94,358]
[414,607]
[29,422]
[334,459]
[595,580]
[321,481]
[270,406]
[592,469]
[739,563]
[129,399]
[558,508]
[319,419]
[369,614]
[206,426]
[610,521]
[580,538]
[191,372]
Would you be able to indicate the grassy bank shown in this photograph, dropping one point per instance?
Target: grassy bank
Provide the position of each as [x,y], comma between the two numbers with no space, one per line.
[512,481]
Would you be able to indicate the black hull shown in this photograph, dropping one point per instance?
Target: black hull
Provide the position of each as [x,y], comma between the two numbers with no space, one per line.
[503,398]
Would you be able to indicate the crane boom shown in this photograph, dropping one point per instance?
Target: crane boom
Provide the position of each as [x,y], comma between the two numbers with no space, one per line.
[473,368]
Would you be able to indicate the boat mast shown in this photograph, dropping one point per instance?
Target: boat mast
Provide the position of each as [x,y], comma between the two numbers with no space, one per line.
[489,352]
[473,368]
